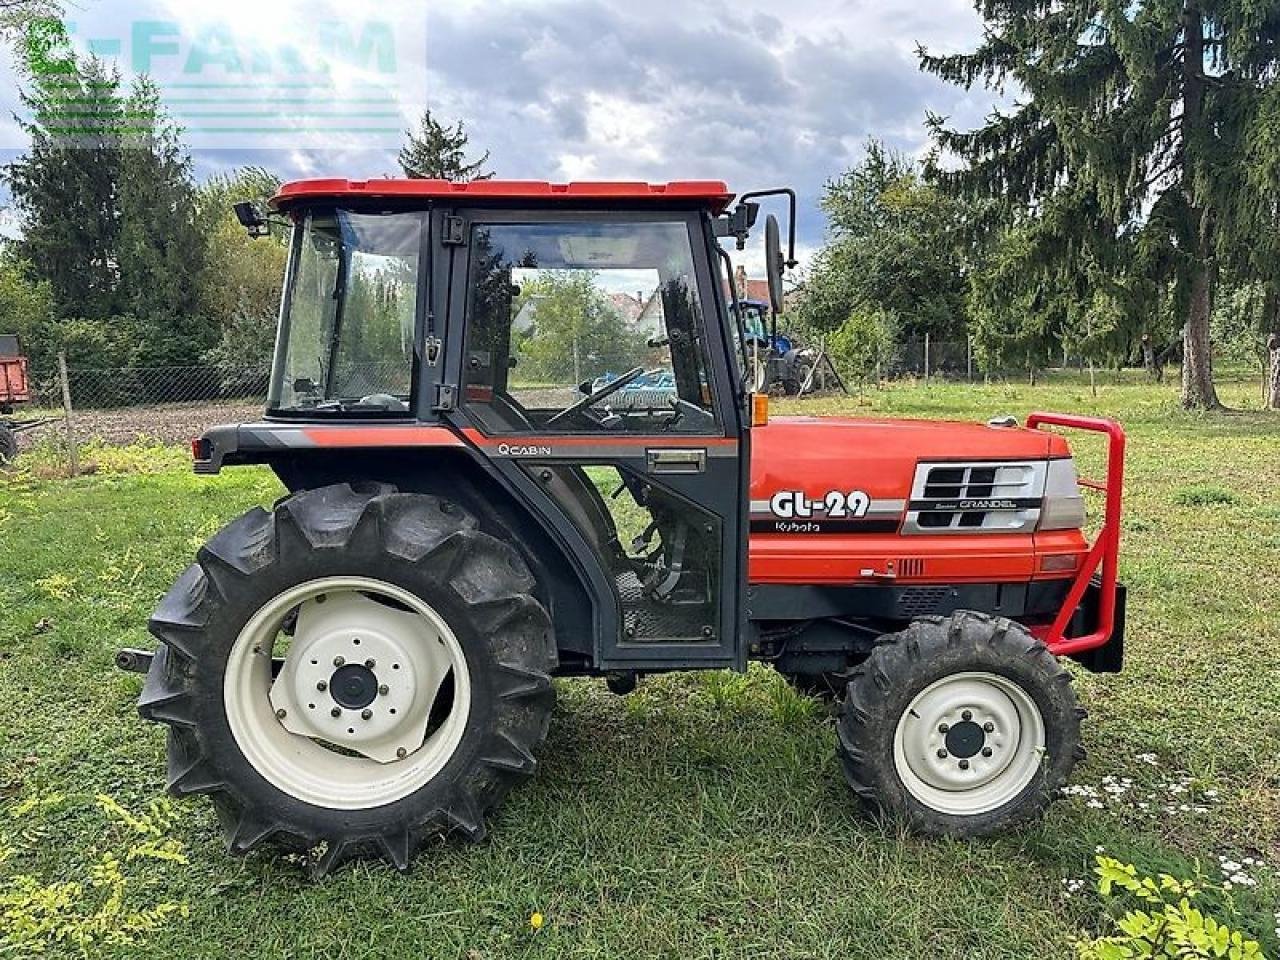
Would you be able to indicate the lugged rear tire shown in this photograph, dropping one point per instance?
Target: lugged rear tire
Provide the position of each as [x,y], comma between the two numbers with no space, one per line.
[966,670]
[411,544]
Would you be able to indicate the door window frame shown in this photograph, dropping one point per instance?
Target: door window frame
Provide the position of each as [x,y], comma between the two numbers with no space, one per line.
[723,392]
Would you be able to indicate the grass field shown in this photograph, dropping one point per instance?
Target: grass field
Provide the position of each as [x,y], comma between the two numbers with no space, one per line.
[705,815]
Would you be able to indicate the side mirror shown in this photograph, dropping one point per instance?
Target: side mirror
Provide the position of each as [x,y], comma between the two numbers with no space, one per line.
[251,218]
[774,262]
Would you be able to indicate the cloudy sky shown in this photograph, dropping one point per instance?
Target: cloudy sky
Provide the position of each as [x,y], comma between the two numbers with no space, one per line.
[756,93]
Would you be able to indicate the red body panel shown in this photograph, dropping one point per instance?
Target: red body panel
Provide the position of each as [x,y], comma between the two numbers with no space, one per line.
[713,194]
[879,457]
[14,386]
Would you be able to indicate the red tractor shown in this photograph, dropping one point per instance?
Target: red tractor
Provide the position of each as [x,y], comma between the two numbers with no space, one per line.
[15,389]
[470,515]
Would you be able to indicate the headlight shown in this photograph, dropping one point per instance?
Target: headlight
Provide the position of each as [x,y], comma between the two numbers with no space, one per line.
[1063,507]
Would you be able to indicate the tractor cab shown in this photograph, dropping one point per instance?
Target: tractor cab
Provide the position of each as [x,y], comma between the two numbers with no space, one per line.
[577,342]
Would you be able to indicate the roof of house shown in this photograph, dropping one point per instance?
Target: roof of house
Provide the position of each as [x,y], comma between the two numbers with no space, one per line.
[713,194]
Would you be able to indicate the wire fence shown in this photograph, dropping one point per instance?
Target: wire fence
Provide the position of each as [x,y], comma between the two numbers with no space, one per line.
[171,405]
[77,407]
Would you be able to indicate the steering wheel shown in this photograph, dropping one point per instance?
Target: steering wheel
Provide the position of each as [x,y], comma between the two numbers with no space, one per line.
[591,399]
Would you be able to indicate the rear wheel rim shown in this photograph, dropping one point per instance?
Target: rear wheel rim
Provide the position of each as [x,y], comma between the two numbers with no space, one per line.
[969,743]
[370,703]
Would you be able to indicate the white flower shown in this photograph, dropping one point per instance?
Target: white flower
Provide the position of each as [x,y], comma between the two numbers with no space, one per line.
[1148,758]
[1094,804]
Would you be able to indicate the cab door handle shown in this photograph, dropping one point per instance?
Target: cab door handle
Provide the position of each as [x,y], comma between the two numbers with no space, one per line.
[681,460]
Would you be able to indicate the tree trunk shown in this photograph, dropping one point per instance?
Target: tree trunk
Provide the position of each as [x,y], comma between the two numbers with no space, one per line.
[1197,358]
[1154,368]
[1272,320]
[1198,391]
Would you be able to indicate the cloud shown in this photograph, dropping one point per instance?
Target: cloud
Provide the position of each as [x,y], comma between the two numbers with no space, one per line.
[756,94]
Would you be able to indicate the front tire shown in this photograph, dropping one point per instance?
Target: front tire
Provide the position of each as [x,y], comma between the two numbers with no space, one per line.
[351,673]
[959,726]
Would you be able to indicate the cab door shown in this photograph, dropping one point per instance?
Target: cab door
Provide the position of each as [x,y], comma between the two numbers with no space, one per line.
[593,372]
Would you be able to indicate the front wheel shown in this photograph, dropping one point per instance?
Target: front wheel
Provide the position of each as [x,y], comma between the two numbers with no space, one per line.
[960,726]
[351,673]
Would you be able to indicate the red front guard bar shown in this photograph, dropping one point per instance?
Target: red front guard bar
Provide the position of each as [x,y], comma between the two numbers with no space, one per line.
[1104,556]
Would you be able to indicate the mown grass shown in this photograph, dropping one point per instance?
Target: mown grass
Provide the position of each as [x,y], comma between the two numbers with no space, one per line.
[703,816]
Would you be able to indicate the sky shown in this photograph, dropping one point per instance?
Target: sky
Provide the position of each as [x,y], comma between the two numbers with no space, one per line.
[758,94]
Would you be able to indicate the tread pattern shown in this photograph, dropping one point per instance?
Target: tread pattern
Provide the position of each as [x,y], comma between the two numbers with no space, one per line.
[441,546]
[881,688]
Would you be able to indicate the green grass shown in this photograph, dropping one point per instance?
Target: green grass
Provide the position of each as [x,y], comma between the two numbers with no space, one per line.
[705,815]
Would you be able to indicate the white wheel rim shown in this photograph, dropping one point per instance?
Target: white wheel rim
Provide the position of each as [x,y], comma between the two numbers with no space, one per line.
[279,724]
[969,743]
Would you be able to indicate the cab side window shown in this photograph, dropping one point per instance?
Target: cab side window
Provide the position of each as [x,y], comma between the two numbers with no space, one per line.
[585,328]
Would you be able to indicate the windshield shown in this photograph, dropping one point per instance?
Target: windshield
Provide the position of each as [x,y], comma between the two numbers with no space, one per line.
[346,340]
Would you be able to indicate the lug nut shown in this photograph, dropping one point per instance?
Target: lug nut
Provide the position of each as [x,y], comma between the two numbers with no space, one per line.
[986,751]
[964,764]
[944,727]
[967,715]
[942,754]
[366,714]
[371,663]
[383,690]
[281,713]
[338,661]
[322,686]
[401,753]
[335,712]
[989,726]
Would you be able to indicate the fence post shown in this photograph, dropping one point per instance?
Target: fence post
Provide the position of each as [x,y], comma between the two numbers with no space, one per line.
[926,356]
[67,414]
[968,358]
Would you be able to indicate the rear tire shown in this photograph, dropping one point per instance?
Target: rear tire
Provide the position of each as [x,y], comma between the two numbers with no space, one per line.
[959,726]
[401,569]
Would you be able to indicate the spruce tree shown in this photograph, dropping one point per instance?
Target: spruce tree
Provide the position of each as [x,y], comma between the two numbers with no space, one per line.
[437,151]
[1140,107]
[108,206]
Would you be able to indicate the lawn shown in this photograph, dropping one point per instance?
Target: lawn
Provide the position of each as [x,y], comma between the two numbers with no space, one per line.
[703,816]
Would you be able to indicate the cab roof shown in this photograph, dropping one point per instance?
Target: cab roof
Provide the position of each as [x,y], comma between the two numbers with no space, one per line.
[711,194]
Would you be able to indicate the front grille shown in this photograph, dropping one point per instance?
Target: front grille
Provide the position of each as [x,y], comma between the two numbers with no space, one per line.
[970,497]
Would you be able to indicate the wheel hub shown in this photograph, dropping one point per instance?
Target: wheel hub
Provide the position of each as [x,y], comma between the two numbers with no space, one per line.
[354,686]
[361,675]
[966,739]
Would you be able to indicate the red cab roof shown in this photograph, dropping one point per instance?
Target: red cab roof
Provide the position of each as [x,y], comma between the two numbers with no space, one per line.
[713,194]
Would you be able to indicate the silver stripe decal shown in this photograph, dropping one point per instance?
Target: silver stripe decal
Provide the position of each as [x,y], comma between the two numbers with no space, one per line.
[878,508]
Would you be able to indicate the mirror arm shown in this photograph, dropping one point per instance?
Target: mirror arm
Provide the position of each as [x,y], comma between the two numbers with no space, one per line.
[736,307]
[791,226]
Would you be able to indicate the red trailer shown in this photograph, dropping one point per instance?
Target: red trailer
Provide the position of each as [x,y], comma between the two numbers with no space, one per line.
[14,386]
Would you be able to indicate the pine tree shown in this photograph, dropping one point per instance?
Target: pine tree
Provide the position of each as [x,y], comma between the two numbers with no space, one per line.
[66,187]
[108,207]
[162,247]
[1139,107]
[437,151]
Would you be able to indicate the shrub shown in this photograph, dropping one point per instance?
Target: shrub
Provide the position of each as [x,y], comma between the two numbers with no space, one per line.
[1164,923]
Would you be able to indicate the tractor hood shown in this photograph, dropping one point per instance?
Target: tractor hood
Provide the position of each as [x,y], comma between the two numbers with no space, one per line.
[811,459]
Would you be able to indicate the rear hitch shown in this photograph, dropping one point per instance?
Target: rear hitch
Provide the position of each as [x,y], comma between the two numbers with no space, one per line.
[134,661]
